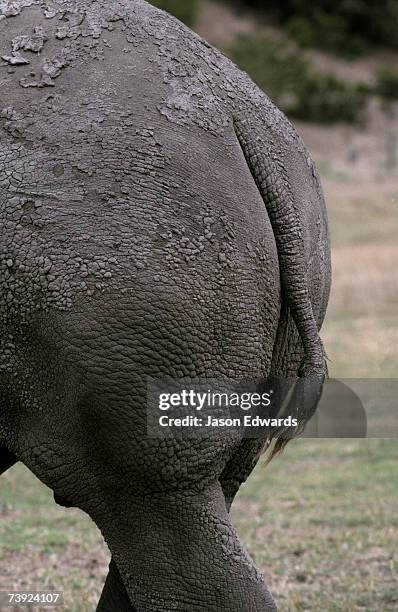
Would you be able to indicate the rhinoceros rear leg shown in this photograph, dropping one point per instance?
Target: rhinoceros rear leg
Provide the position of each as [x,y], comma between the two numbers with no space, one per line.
[179,551]
[7,459]
[239,468]
[114,595]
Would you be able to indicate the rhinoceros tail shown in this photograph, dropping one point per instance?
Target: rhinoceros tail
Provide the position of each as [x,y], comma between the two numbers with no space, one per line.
[298,350]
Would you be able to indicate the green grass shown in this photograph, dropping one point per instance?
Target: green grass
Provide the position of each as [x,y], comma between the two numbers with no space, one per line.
[361,328]
[44,546]
[360,219]
[321,521]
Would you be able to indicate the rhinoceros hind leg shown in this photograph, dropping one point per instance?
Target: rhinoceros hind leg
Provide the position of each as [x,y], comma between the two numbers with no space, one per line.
[7,459]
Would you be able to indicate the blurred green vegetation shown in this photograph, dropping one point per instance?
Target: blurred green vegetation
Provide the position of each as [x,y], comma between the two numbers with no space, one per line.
[387,86]
[344,27]
[348,27]
[294,85]
[184,10]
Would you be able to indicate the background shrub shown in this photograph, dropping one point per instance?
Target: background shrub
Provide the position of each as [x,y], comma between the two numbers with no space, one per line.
[343,26]
[184,10]
[387,86]
[324,98]
[294,86]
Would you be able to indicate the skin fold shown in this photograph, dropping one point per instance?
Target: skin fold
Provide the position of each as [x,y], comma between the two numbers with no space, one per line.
[159,217]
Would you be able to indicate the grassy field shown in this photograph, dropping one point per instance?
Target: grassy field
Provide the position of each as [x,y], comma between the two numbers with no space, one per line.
[46,547]
[361,328]
[322,521]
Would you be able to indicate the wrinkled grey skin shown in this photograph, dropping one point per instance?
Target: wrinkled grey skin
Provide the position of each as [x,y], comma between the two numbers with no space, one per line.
[159,216]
